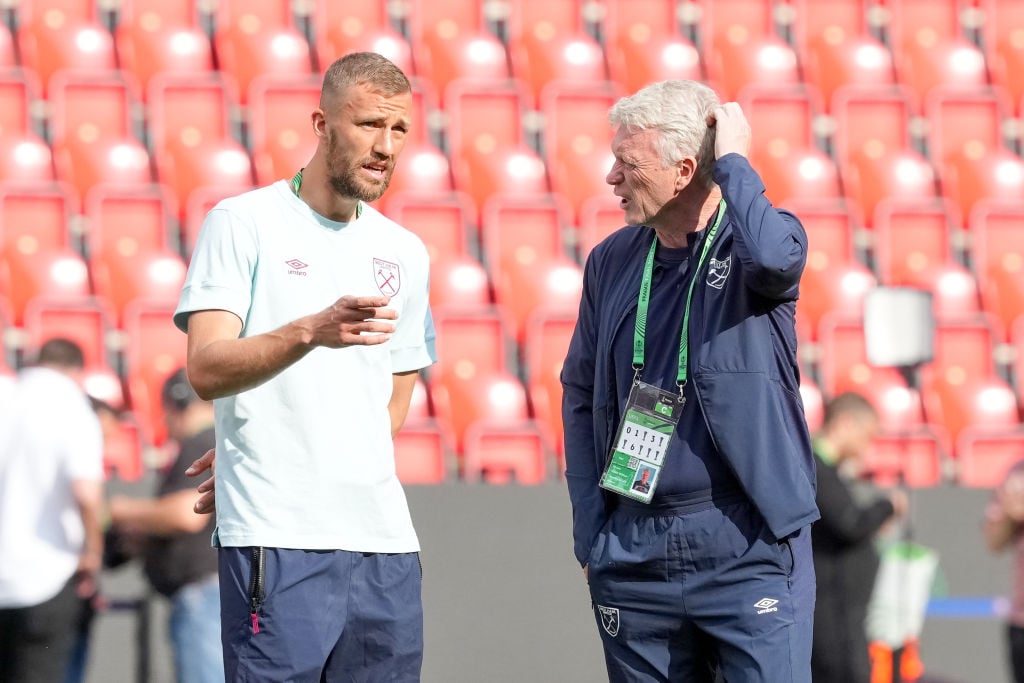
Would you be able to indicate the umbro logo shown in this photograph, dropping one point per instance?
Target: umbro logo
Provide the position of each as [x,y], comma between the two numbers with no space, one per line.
[765,605]
[297,267]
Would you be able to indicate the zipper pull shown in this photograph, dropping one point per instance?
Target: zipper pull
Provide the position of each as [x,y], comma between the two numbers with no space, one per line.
[255,622]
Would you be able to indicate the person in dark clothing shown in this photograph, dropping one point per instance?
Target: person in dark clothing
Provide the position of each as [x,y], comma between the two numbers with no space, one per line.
[845,558]
[178,559]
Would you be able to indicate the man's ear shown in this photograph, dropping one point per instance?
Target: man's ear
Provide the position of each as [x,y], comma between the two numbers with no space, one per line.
[319,123]
[686,171]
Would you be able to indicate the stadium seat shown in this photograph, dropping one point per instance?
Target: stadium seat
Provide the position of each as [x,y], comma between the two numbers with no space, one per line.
[129,220]
[580,174]
[18,91]
[198,205]
[89,106]
[497,397]
[911,237]
[963,350]
[484,116]
[643,44]
[35,216]
[520,289]
[280,129]
[836,288]
[739,22]
[25,158]
[510,170]
[844,366]
[54,40]
[340,40]
[8,56]
[446,52]
[998,253]
[765,60]
[1004,46]
[86,163]
[576,118]
[915,458]
[873,120]
[250,15]
[873,175]
[796,174]
[978,174]
[122,453]
[540,58]
[155,348]
[423,169]
[58,274]
[470,342]
[781,117]
[420,455]
[444,223]
[834,60]
[519,231]
[189,108]
[153,276]
[459,280]
[964,121]
[985,456]
[599,216]
[955,293]
[158,13]
[186,168]
[505,454]
[832,231]
[155,44]
[245,52]
[925,66]
[547,342]
[351,20]
[84,321]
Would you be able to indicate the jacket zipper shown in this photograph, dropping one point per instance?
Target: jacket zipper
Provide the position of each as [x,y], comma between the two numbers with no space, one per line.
[256,587]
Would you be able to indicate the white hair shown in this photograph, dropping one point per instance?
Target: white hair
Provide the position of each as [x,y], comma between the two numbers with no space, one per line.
[678,111]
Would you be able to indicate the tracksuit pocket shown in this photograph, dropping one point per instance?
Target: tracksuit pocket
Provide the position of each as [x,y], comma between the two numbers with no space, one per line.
[257,588]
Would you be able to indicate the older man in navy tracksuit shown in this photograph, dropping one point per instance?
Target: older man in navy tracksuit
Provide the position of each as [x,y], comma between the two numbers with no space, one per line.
[711,570]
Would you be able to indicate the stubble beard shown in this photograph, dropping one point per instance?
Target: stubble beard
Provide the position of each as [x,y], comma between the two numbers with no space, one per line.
[346,183]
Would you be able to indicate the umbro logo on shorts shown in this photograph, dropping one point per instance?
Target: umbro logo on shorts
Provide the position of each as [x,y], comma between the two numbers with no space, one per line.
[765,605]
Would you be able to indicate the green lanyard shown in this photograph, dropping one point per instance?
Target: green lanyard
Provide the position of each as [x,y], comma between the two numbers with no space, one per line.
[645,297]
[297,184]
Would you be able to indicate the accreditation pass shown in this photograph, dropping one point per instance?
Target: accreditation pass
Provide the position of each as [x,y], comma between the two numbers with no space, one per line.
[638,452]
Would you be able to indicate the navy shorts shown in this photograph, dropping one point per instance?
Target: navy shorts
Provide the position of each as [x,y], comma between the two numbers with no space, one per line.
[320,615]
[680,592]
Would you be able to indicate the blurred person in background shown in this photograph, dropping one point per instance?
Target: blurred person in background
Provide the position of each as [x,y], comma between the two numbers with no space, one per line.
[843,540]
[179,561]
[51,499]
[1004,528]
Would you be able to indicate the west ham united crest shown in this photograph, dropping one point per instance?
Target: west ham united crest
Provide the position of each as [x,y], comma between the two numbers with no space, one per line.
[719,271]
[387,276]
[609,619]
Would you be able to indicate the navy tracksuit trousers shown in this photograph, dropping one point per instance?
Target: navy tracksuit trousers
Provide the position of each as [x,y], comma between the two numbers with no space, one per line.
[684,589]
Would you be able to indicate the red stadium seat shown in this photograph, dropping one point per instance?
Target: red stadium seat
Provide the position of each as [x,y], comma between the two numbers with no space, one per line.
[149,276]
[955,294]
[871,120]
[873,175]
[245,52]
[85,164]
[845,367]
[522,289]
[90,106]
[25,158]
[1004,47]
[643,44]
[84,321]
[344,37]
[912,237]
[510,170]
[128,220]
[157,13]
[191,109]
[186,168]
[448,53]
[155,349]
[576,118]
[518,232]
[442,222]
[837,288]
[738,22]
[547,342]
[497,397]
[832,231]
[781,117]
[765,60]
[963,350]
[540,58]
[470,343]
[998,251]
[913,459]
[54,40]
[153,44]
[251,15]
[35,216]
[964,121]
[985,456]
[421,455]
[504,454]
[925,66]
[797,174]
[459,280]
[599,217]
[834,60]
[423,169]
[349,19]
[281,132]
[18,90]
[978,174]
[58,274]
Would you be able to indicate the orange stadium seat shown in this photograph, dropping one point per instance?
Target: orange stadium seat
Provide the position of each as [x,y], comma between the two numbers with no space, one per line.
[844,366]
[122,452]
[522,289]
[911,237]
[58,274]
[518,231]
[420,455]
[979,174]
[154,44]
[505,454]
[18,90]
[985,456]
[576,118]
[832,19]
[765,60]
[54,40]
[444,223]
[244,53]
[912,459]
[25,158]
[872,120]
[450,42]
[155,349]
[423,169]
[547,341]
[280,130]
[599,216]
[781,117]
[541,58]
[735,21]
[987,403]
[349,23]
[643,44]
[128,220]
[252,15]
[84,321]
[186,168]
[964,121]
[483,117]
[955,293]
[153,276]
[85,164]
[963,350]
[35,216]
[495,396]
[797,174]
[470,342]
[88,106]
[459,280]
[998,252]
[484,173]
[8,57]
[873,175]
[832,229]
[193,109]
[1004,45]
[832,288]
[925,66]
[158,13]
[834,60]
